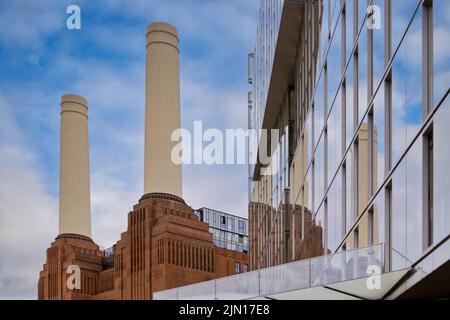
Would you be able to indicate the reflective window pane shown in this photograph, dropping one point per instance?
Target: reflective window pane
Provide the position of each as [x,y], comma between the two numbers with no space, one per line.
[335,10]
[402,12]
[441,29]
[398,217]
[319,174]
[319,119]
[318,231]
[307,140]
[362,169]
[350,190]
[414,207]
[349,103]
[335,217]
[362,73]
[378,44]
[308,192]
[324,29]
[334,64]
[378,211]
[334,131]
[349,28]
[407,209]
[378,137]
[407,89]
[441,150]
[362,9]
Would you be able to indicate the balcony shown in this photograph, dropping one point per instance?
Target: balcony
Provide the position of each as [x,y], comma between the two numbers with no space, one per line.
[280,52]
[282,75]
[344,275]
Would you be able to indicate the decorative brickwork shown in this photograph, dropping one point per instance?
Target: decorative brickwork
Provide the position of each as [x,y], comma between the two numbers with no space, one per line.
[165,246]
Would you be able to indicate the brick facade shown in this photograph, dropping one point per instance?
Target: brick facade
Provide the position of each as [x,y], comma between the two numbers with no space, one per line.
[165,246]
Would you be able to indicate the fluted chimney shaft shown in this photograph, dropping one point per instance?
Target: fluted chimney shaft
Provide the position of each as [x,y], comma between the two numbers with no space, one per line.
[74,187]
[162,109]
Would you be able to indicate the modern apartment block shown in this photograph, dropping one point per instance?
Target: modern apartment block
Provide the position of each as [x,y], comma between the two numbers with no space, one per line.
[229,231]
[359,90]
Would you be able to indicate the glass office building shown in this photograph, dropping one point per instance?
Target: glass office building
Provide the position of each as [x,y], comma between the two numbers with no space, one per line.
[359,179]
[229,231]
[359,90]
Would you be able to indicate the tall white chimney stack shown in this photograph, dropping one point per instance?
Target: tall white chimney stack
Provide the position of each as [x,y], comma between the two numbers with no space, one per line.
[162,109]
[74,186]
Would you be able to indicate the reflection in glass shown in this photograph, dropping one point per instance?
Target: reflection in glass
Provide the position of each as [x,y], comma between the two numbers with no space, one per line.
[414,201]
[319,174]
[312,244]
[362,10]
[307,140]
[398,217]
[407,89]
[349,28]
[308,190]
[378,142]
[441,58]
[335,216]
[334,64]
[319,228]
[334,131]
[362,169]
[323,30]
[350,190]
[378,46]
[407,209]
[334,6]
[402,12]
[441,168]
[362,73]
[378,211]
[349,103]
[319,109]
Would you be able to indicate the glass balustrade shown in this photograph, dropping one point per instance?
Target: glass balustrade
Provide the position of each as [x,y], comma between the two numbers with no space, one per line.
[341,266]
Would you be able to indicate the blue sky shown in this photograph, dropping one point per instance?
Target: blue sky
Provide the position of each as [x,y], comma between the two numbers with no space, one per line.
[40,59]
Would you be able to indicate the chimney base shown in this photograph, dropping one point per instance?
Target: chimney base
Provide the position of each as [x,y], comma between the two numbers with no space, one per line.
[162,196]
[73,236]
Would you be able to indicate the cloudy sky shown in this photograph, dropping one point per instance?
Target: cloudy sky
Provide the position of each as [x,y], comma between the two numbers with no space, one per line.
[40,59]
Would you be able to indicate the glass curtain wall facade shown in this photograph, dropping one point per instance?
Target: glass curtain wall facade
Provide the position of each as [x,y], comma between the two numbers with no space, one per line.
[365,119]
[229,231]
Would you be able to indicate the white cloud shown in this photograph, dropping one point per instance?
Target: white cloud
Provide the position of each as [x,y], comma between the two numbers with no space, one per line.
[28,214]
[223,189]
[219,187]
[26,23]
[199,19]
[111,200]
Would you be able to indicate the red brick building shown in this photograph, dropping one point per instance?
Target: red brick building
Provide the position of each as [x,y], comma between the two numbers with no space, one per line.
[165,246]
